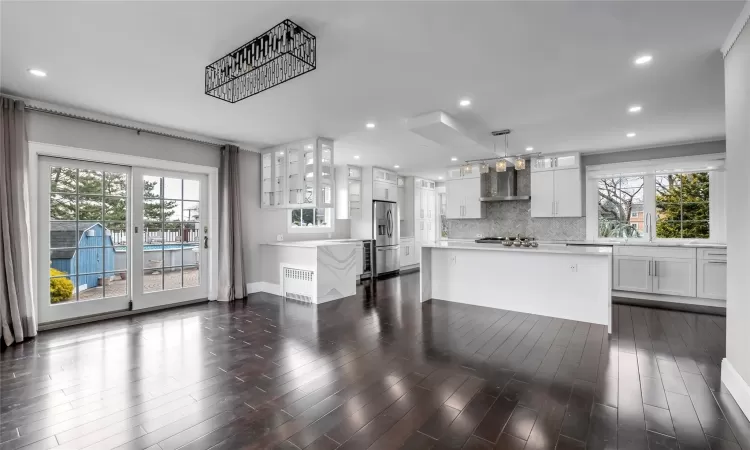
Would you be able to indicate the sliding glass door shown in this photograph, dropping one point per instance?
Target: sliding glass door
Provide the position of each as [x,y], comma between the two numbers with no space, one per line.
[109,235]
[83,239]
[170,241]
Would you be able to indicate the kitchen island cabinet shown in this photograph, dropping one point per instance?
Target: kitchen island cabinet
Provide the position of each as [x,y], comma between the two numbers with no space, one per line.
[553,280]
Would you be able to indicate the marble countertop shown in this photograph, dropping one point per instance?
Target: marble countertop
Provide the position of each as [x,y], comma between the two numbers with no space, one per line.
[312,244]
[549,248]
[642,244]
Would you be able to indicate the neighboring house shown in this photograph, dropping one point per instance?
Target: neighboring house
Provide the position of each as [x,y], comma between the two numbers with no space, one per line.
[67,243]
[637,217]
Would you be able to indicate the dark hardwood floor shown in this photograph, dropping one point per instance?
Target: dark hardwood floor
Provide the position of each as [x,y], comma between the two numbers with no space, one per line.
[378,371]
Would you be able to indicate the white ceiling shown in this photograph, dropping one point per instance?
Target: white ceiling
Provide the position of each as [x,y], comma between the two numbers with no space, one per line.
[559,74]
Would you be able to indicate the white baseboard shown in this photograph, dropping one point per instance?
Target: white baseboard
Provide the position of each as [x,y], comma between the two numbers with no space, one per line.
[671,298]
[262,286]
[736,385]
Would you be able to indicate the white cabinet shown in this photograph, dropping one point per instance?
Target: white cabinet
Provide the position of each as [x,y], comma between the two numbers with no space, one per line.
[674,276]
[557,187]
[384,175]
[384,191]
[657,270]
[712,274]
[543,194]
[408,253]
[456,173]
[359,258]
[462,199]
[568,193]
[633,273]
[298,175]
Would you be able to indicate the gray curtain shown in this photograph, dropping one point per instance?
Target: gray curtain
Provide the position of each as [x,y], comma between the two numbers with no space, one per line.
[231,266]
[17,308]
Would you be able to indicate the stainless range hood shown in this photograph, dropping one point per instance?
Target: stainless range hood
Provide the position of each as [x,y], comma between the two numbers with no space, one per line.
[506,187]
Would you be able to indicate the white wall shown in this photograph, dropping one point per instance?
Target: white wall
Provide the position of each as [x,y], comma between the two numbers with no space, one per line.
[59,130]
[262,225]
[737,91]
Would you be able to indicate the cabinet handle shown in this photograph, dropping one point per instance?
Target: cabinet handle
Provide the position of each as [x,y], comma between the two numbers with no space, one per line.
[649,268]
[716,262]
[656,268]
[716,254]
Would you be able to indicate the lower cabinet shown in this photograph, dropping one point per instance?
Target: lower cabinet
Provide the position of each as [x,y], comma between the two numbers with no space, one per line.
[633,273]
[712,274]
[408,252]
[674,276]
[359,259]
[678,271]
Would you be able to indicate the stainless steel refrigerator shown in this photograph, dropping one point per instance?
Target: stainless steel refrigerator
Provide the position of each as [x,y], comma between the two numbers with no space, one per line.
[385,235]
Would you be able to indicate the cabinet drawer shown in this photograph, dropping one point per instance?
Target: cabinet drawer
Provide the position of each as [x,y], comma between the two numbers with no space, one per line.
[656,252]
[716,254]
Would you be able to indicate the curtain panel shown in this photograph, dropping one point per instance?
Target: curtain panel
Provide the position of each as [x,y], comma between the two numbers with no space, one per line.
[231,266]
[18,319]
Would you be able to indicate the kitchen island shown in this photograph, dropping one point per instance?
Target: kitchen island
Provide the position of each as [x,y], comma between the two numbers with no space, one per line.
[311,271]
[552,280]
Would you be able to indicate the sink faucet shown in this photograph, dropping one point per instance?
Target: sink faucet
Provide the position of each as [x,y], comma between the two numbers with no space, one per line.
[648,226]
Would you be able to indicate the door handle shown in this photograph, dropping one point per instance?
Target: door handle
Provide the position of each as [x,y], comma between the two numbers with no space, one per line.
[205,241]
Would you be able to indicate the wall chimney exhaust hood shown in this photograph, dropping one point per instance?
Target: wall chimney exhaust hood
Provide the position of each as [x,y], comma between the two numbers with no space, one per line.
[507,187]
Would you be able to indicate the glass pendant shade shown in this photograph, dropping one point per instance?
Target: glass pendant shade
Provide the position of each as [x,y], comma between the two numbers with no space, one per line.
[520,164]
[484,168]
[501,165]
[467,168]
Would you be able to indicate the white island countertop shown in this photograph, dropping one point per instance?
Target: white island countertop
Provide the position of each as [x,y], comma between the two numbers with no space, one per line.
[312,244]
[543,248]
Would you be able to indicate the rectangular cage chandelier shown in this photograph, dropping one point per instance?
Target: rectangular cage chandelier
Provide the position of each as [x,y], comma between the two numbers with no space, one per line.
[284,52]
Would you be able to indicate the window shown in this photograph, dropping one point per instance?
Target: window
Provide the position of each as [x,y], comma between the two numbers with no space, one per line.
[682,206]
[655,201]
[620,199]
[311,219]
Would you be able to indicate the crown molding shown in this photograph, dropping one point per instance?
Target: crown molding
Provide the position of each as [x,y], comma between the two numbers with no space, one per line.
[736,30]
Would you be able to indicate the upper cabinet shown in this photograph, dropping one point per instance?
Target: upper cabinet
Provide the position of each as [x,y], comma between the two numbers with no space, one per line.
[384,185]
[385,176]
[571,161]
[557,186]
[298,175]
[457,173]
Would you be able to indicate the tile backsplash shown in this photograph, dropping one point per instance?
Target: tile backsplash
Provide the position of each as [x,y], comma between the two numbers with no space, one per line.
[513,218]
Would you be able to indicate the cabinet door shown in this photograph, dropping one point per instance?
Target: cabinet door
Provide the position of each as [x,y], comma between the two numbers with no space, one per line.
[567,192]
[567,161]
[454,173]
[472,205]
[542,164]
[267,188]
[712,279]
[379,190]
[542,193]
[454,199]
[633,273]
[359,261]
[674,276]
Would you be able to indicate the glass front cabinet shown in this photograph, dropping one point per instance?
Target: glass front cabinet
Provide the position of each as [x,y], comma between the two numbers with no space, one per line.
[298,175]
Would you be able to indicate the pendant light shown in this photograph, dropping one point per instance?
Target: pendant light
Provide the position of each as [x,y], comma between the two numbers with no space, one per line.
[467,168]
[502,165]
[484,168]
[520,164]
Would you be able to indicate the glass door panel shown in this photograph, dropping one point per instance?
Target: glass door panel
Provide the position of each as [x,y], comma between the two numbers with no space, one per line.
[83,235]
[171,248]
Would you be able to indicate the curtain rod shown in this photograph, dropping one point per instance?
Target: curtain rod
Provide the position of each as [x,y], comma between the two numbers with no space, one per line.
[114,124]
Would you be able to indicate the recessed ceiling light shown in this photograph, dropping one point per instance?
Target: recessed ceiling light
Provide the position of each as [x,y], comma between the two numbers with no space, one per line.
[38,73]
[440,178]
[454,158]
[630,135]
[635,109]
[396,166]
[528,149]
[465,102]
[370,125]
[645,59]
[356,156]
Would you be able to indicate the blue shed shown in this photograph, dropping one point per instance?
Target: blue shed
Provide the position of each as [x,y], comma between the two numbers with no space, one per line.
[79,250]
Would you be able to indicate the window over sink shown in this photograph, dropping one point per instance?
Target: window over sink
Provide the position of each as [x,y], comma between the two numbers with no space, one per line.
[652,200]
